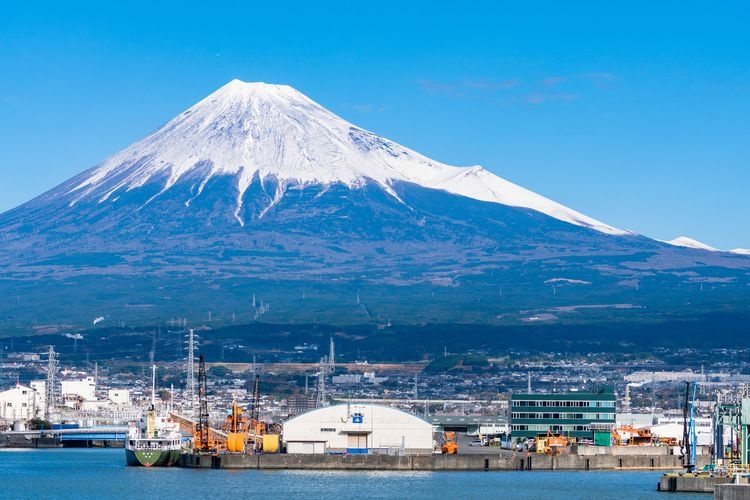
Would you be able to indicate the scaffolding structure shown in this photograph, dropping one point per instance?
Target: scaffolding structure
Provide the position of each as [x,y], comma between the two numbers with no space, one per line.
[731,428]
[726,420]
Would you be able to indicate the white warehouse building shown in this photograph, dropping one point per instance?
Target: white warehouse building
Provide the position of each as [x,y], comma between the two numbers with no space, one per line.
[358,428]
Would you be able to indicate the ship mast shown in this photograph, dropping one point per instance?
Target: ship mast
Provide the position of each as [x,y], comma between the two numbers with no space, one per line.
[153,386]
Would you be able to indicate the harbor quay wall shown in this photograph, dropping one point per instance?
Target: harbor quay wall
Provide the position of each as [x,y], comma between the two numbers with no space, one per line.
[428,462]
[732,492]
[28,441]
[691,483]
[620,450]
[632,450]
[705,483]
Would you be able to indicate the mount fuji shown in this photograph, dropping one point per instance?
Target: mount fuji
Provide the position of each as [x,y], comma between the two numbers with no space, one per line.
[261,133]
[258,191]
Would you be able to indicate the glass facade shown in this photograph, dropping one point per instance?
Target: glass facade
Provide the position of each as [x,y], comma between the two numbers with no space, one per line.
[573,414]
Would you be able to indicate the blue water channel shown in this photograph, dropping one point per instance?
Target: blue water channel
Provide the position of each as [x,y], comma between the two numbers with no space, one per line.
[102,473]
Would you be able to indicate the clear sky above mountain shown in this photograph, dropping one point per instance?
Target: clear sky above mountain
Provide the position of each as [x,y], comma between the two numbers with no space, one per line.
[636,114]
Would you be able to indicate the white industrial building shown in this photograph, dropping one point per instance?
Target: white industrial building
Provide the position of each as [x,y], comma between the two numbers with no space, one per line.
[40,395]
[120,397]
[673,427]
[83,388]
[358,428]
[17,403]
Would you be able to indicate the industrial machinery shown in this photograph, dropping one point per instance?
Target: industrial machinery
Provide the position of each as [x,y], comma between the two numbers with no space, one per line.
[205,438]
[236,429]
[630,436]
[551,444]
[201,438]
[450,446]
[689,440]
[256,428]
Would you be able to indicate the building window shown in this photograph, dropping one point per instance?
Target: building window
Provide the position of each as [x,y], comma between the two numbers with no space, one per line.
[327,429]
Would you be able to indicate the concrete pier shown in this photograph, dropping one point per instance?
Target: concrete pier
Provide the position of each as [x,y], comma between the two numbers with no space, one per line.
[691,483]
[732,492]
[530,461]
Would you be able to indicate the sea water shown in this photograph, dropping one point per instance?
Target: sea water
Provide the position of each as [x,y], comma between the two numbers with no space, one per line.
[102,473]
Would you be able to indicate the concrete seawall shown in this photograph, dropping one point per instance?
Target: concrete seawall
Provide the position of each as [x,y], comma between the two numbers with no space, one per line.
[705,483]
[429,462]
[28,441]
[691,483]
[732,492]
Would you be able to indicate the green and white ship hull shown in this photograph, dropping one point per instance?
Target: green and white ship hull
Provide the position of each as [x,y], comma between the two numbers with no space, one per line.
[154,440]
[152,458]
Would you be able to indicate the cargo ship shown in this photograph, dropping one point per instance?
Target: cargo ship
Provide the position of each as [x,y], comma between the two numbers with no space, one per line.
[154,440]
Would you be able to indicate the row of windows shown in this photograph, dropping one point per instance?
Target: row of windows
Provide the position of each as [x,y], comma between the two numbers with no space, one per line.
[327,429]
[587,416]
[572,404]
[554,428]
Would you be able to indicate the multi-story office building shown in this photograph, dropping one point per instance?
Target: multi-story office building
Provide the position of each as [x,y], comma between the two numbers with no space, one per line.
[578,415]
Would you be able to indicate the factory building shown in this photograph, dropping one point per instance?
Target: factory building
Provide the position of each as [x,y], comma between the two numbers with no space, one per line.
[358,429]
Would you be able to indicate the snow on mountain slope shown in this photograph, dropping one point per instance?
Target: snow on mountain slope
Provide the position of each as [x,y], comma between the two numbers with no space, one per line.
[741,251]
[259,131]
[684,241]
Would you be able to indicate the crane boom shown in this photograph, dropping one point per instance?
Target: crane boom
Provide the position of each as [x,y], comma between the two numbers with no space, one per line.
[202,430]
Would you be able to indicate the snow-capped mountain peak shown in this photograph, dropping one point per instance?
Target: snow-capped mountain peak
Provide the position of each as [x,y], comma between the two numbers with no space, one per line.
[255,131]
[684,241]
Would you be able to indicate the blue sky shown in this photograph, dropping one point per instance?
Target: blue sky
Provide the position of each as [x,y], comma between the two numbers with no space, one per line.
[635,113]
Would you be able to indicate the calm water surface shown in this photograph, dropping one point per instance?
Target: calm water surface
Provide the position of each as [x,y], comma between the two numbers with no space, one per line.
[83,474]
